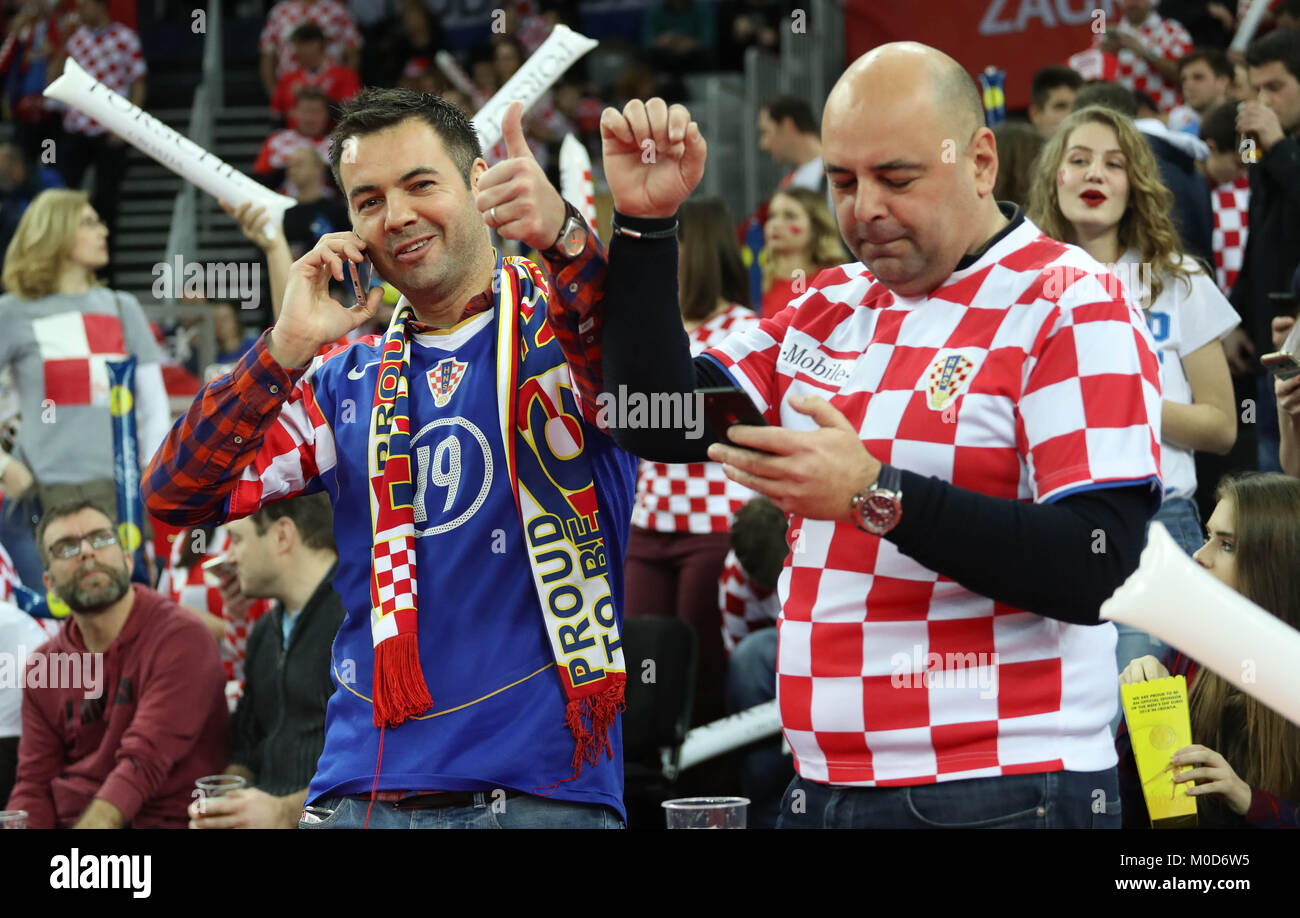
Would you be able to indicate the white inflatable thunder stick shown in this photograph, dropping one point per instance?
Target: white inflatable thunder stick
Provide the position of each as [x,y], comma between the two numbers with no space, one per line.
[1249,25]
[173,150]
[1172,597]
[543,67]
[576,185]
[734,732]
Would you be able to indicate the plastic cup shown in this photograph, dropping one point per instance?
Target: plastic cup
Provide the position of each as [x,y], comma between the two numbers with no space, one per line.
[707,812]
[13,819]
[219,785]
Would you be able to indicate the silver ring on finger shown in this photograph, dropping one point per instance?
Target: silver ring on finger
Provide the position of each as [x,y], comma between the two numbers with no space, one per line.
[492,214]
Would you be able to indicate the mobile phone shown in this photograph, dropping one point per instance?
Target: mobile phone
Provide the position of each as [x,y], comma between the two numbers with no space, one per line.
[727,405]
[359,287]
[1283,365]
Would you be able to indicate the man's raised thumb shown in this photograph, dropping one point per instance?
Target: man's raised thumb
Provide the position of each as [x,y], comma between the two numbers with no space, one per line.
[512,129]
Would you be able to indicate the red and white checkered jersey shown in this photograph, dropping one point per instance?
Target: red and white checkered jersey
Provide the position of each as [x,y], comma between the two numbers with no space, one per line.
[693,497]
[745,608]
[1020,377]
[280,146]
[1231,226]
[112,56]
[1164,35]
[332,17]
[187,586]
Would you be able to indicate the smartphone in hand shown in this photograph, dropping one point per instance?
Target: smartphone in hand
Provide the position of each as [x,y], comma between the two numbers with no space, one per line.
[728,405]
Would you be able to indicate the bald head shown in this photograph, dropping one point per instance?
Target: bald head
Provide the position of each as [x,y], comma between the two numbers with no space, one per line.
[911,164]
[913,71]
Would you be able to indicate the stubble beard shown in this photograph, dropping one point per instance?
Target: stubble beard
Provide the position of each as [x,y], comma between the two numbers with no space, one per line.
[92,600]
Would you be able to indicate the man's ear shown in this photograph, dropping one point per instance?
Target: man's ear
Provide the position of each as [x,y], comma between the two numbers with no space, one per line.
[984,153]
[1214,147]
[476,172]
[47,580]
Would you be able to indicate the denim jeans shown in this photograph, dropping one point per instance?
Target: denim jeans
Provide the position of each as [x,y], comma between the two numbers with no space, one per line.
[1180,517]
[765,771]
[1049,800]
[519,812]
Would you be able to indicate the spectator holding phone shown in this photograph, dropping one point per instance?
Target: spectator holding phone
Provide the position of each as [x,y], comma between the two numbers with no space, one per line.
[1097,186]
[1246,757]
[1287,392]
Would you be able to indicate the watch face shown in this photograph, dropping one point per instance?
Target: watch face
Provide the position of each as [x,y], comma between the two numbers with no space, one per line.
[879,513]
[574,241]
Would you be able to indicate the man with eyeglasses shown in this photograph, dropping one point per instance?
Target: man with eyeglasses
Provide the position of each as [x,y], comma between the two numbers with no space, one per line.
[125,708]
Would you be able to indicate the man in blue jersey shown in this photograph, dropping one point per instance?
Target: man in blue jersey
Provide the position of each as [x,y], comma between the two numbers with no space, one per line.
[480,514]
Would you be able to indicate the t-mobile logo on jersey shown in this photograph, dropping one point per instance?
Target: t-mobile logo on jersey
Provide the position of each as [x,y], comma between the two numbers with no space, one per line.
[803,358]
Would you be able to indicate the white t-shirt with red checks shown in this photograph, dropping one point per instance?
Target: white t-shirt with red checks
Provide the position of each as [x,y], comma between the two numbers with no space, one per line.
[693,497]
[1020,377]
[187,586]
[1133,71]
[279,148]
[112,56]
[1231,226]
[332,17]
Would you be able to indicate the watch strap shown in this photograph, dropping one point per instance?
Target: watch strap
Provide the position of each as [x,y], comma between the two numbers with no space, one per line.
[889,479]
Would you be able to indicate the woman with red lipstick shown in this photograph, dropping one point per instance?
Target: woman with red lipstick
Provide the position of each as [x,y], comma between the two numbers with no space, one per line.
[1096,184]
[801,240]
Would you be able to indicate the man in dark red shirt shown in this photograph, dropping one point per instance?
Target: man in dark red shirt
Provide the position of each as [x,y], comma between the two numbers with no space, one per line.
[312,68]
[125,708]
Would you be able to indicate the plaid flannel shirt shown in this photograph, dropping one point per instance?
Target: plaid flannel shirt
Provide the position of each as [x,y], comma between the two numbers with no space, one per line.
[193,476]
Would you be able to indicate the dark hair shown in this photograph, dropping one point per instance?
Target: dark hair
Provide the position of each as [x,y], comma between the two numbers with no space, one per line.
[712,268]
[311,92]
[1052,77]
[1281,45]
[1113,96]
[758,539]
[797,110]
[66,509]
[1017,144]
[1214,58]
[1220,125]
[311,515]
[1144,100]
[308,31]
[378,109]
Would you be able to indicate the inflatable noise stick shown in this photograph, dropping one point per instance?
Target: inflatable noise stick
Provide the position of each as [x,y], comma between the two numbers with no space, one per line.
[575,178]
[734,732]
[543,67]
[1172,597]
[171,149]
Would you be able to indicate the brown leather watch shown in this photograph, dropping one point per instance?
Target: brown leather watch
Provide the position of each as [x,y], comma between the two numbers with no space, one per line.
[878,509]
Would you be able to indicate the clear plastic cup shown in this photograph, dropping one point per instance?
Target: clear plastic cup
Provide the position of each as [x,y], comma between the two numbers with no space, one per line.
[13,819]
[707,812]
[219,785]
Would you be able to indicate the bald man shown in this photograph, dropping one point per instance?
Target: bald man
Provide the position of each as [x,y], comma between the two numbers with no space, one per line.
[964,430]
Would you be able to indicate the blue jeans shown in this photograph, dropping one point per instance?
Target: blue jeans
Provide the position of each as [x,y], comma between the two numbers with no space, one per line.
[519,812]
[1050,800]
[765,771]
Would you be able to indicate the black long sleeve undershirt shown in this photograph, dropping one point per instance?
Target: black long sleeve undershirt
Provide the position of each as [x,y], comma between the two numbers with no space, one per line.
[1058,560]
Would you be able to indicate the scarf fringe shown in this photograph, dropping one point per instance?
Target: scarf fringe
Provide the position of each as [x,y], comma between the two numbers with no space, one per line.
[400,690]
[600,709]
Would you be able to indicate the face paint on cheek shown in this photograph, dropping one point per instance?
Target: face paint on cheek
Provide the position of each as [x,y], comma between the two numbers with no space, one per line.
[794,230]
[1060,177]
